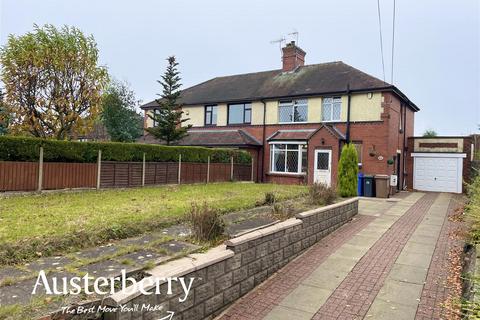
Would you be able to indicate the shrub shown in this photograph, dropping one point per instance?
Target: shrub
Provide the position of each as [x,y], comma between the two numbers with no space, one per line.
[27,149]
[270,198]
[206,223]
[282,211]
[348,171]
[321,194]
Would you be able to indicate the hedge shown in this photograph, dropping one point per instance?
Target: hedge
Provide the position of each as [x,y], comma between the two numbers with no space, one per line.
[28,149]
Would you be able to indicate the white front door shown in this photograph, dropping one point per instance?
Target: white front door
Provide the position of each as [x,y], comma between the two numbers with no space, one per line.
[323,167]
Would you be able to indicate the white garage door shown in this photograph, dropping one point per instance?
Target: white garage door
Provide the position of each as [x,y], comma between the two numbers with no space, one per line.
[439,172]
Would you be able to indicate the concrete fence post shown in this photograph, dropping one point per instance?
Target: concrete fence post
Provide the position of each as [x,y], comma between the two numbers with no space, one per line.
[143,171]
[179,168]
[40,170]
[208,169]
[99,168]
[231,168]
[253,168]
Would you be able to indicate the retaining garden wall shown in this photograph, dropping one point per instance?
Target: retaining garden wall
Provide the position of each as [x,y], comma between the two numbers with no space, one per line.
[225,273]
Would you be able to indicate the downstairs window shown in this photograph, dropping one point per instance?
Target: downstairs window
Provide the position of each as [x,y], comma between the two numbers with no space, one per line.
[288,158]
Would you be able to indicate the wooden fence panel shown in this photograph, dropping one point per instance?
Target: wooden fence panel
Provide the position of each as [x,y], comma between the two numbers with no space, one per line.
[220,172]
[63,175]
[242,172]
[18,176]
[194,172]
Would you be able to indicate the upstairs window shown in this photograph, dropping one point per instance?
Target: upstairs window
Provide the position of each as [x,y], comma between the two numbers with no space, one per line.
[293,111]
[211,115]
[240,113]
[331,108]
[156,112]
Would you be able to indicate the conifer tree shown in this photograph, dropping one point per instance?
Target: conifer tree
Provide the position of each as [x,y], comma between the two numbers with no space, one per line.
[168,117]
[348,171]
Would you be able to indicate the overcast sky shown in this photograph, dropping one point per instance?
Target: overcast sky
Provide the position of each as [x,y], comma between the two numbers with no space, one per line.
[436,60]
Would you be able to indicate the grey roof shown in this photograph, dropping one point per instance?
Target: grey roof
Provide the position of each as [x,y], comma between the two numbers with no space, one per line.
[210,138]
[315,79]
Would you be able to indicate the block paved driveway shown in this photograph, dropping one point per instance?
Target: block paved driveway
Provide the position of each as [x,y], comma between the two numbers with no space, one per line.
[390,262]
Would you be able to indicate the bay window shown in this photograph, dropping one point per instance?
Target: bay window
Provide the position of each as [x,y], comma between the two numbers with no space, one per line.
[331,108]
[288,158]
[293,111]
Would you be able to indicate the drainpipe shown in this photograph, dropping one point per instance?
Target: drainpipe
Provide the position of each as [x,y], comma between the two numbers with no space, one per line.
[404,146]
[347,134]
[263,140]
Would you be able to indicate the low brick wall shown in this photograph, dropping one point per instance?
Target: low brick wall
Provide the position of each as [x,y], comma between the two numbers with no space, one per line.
[225,273]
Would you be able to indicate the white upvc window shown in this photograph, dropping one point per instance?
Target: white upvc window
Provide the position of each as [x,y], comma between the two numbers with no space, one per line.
[293,111]
[288,157]
[331,108]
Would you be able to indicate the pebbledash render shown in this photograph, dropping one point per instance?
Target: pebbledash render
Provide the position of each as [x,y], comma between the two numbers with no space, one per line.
[295,120]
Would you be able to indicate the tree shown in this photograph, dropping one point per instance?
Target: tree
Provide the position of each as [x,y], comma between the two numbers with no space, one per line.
[348,171]
[53,82]
[168,118]
[4,116]
[119,117]
[430,133]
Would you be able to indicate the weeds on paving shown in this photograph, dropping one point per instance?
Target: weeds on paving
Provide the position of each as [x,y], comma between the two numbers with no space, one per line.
[205,222]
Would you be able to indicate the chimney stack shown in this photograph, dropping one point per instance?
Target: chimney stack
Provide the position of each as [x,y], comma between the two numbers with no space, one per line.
[293,57]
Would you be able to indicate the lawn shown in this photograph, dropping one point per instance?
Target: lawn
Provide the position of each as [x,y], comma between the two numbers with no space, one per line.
[58,222]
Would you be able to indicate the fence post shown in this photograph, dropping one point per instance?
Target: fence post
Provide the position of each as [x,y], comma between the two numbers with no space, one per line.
[179,168]
[231,168]
[40,170]
[208,169]
[99,168]
[251,174]
[143,171]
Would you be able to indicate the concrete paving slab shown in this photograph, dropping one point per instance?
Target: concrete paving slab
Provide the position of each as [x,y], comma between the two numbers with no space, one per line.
[351,251]
[403,293]
[405,273]
[326,278]
[11,272]
[107,268]
[283,313]
[339,263]
[414,259]
[429,229]
[142,257]
[50,263]
[175,246]
[306,298]
[363,239]
[93,253]
[425,239]
[423,248]
[383,310]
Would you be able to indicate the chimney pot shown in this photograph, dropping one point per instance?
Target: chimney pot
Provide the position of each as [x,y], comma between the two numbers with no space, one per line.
[293,57]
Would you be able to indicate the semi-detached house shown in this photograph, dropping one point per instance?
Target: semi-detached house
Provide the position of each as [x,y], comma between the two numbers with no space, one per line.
[295,120]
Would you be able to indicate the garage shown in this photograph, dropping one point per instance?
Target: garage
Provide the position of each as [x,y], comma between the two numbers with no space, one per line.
[438,172]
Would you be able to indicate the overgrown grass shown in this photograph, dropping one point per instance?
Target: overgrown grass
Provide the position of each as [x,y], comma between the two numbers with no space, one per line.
[40,225]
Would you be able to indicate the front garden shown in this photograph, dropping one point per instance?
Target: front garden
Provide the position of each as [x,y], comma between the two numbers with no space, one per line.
[41,225]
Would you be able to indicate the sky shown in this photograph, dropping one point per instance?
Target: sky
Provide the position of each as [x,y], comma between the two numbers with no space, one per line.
[436,57]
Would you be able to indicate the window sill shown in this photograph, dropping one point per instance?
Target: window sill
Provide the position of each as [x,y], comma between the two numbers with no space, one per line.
[287,174]
[297,122]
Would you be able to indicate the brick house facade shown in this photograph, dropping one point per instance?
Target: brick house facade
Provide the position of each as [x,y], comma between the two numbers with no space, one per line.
[301,115]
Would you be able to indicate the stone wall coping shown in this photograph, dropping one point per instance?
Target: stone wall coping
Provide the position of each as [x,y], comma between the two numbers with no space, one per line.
[174,268]
[312,212]
[263,232]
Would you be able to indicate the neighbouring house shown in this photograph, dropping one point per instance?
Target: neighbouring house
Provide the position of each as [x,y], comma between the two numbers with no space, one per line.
[294,120]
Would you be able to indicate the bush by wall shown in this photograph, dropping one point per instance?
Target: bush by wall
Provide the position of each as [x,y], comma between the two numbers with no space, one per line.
[27,149]
[348,171]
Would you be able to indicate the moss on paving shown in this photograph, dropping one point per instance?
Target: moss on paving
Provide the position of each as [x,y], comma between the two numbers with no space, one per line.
[55,223]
